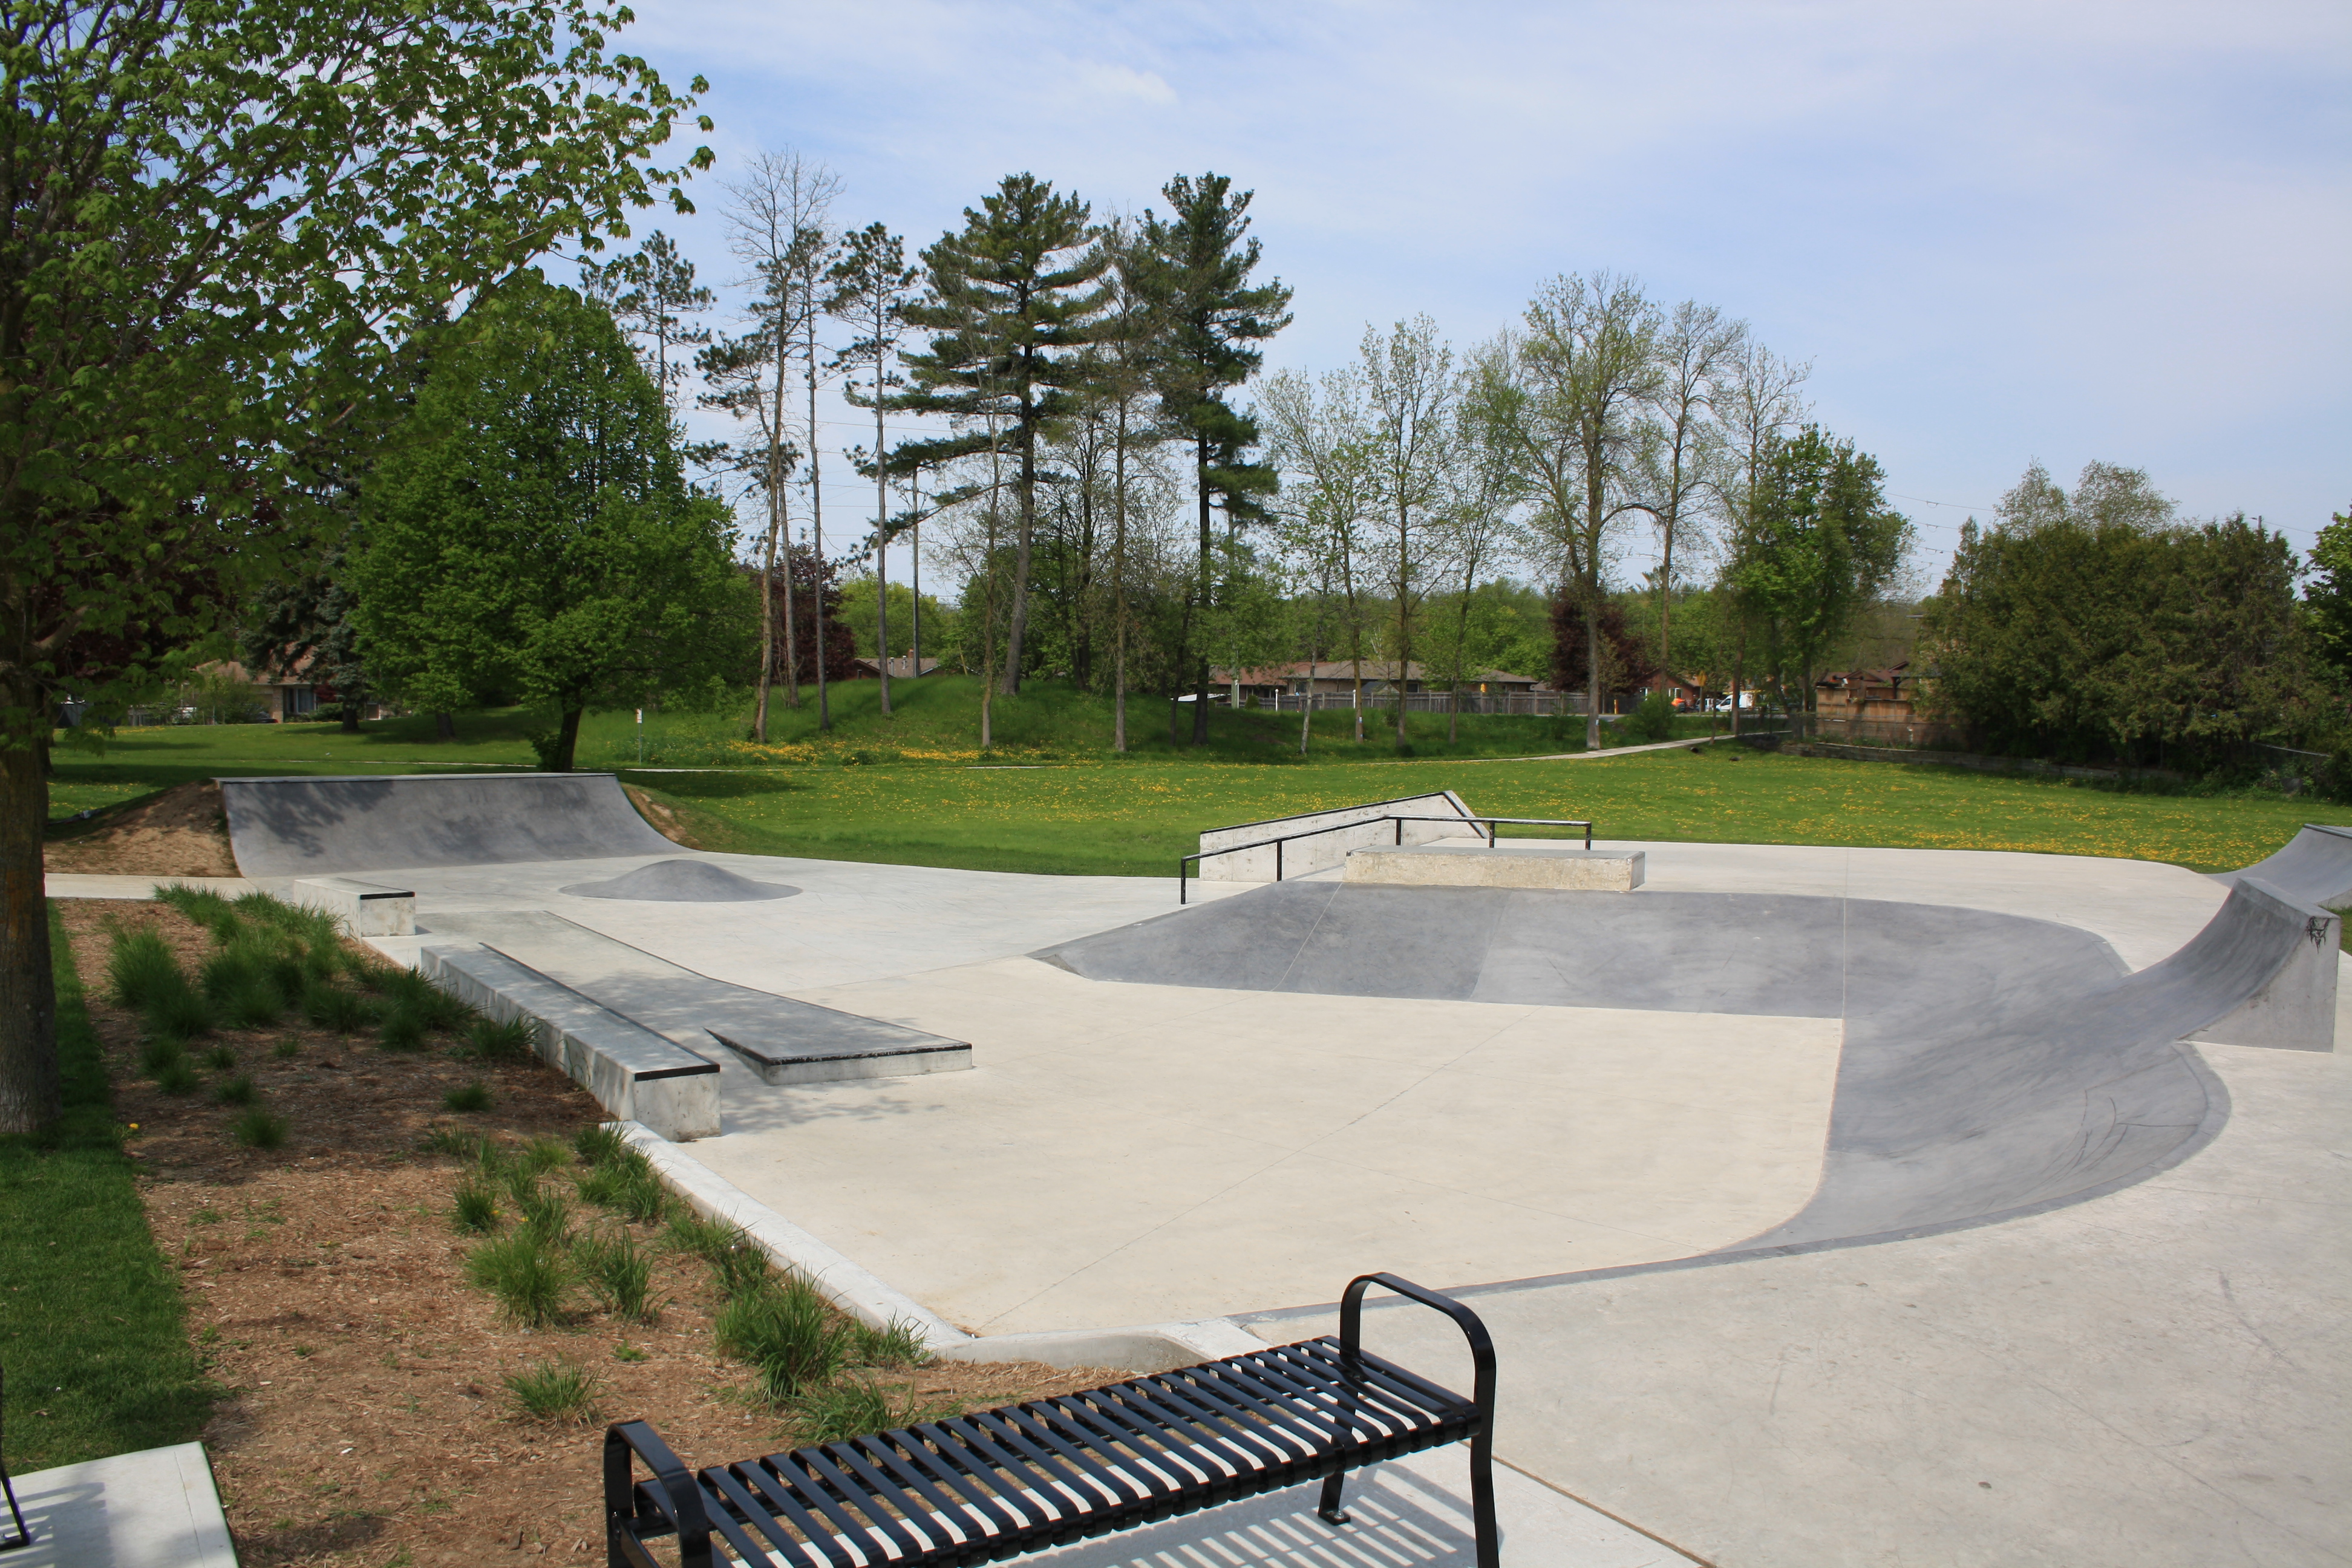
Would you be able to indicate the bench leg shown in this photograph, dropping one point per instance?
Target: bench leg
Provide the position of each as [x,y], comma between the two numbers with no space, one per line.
[1329,1512]
[1482,1502]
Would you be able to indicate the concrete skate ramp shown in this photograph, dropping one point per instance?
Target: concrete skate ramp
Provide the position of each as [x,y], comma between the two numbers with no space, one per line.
[2315,867]
[682,882]
[322,827]
[1991,1063]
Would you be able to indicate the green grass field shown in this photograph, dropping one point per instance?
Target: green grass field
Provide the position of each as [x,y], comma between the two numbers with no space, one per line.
[93,1337]
[1051,797]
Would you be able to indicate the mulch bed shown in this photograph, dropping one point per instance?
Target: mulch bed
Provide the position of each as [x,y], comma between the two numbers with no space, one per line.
[364,1420]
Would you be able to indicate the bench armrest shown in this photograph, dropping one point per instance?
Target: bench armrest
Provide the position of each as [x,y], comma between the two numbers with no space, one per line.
[678,1494]
[1482,1344]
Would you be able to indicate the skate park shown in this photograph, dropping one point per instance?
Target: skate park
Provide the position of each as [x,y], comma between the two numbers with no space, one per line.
[1812,1193]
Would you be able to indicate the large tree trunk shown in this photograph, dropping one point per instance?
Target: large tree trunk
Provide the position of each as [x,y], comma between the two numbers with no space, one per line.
[1592,665]
[767,624]
[1019,623]
[445,726]
[28,1002]
[881,549]
[567,740]
[1200,684]
[350,718]
[1118,596]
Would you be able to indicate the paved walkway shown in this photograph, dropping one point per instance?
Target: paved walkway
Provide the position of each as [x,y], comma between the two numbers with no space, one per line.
[154,1508]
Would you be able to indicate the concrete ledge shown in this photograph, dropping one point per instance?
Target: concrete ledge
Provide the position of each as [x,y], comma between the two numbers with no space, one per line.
[927,1053]
[1449,866]
[155,1508]
[634,1073]
[364,909]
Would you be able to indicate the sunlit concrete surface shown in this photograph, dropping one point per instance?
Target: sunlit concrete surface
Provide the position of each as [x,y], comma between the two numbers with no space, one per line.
[153,1509]
[1413,1512]
[2161,1378]
[1134,1153]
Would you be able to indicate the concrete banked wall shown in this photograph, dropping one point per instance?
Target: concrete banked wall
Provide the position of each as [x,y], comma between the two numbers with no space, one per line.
[1991,1063]
[1357,828]
[326,826]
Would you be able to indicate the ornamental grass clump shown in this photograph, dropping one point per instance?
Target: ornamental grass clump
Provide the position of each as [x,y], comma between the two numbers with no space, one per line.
[738,1266]
[531,1279]
[237,1090]
[329,1007]
[257,1129]
[142,970]
[474,1207]
[620,1273]
[493,1041]
[786,1333]
[557,1390]
[469,1096]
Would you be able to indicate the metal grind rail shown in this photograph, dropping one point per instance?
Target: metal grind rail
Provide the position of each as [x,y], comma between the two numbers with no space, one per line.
[1491,823]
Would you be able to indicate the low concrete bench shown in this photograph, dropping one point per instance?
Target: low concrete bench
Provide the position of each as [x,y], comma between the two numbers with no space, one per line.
[635,1074]
[1481,866]
[362,909]
[1002,1483]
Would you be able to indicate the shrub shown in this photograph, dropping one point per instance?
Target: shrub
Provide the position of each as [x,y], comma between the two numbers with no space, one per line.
[599,1146]
[181,1015]
[899,1345]
[238,1090]
[545,1211]
[257,1129]
[141,970]
[854,1406]
[555,1390]
[785,1331]
[329,1006]
[443,1139]
[255,1004]
[474,1095]
[474,1207]
[1652,720]
[177,1078]
[618,1271]
[735,1260]
[530,1278]
[403,1030]
[500,1042]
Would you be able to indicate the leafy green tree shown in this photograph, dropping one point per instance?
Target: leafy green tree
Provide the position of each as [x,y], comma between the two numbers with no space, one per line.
[1011,299]
[2093,626]
[1194,268]
[227,222]
[540,537]
[309,624]
[2327,597]
[1560,402]
[1820,543]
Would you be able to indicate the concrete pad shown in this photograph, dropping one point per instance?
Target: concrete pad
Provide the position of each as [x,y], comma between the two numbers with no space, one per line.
[81,885]
[1480,866]
[1413,1512]
[153,1509]
[2160,1379]
[1126,1154]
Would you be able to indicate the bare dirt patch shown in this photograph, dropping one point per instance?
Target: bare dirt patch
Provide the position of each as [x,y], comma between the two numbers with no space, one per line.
[365,1420]
[183,832]
[667,819]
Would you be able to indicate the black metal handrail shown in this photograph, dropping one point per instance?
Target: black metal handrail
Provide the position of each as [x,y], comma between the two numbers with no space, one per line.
[1281,839]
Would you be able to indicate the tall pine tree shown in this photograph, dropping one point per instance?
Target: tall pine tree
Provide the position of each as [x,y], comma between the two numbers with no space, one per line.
[1197,269]
[1010,300]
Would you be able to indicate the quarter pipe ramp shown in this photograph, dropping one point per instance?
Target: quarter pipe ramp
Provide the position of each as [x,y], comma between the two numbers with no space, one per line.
[307,826]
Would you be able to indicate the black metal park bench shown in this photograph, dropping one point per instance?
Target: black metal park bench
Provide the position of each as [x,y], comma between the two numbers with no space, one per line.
[984,1488]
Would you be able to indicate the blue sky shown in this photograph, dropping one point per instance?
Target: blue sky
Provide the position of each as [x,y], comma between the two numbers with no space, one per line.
[2000,232]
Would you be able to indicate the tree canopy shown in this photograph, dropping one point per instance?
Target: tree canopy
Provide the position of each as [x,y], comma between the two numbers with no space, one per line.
[537,537]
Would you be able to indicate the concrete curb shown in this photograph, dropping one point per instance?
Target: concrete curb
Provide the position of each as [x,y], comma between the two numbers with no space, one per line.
[858,1291]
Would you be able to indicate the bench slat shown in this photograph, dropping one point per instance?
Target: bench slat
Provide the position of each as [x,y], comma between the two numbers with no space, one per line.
[994,1484]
